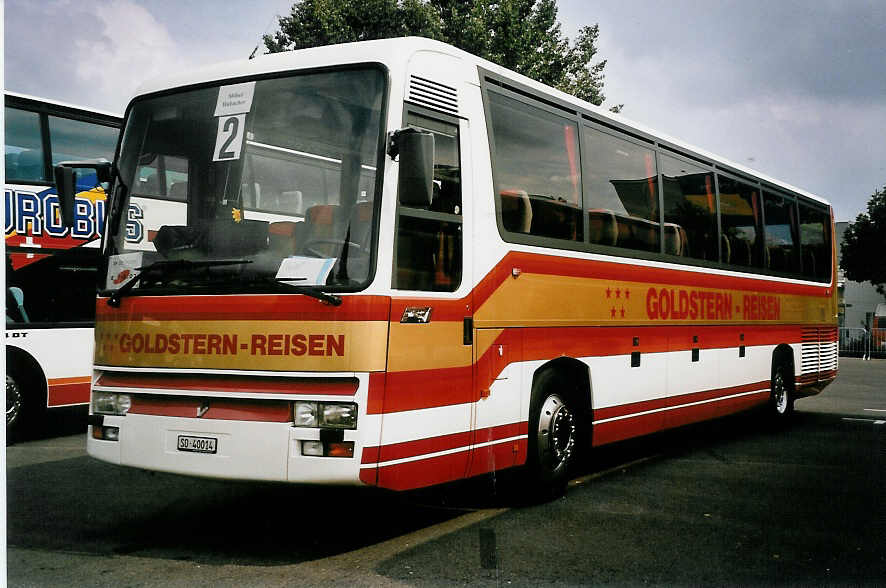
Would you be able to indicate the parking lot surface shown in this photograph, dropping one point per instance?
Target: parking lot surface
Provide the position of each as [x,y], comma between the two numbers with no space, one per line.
[731,502]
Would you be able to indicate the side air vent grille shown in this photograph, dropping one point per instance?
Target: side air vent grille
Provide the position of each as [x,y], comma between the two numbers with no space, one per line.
[818,350]
[433,95]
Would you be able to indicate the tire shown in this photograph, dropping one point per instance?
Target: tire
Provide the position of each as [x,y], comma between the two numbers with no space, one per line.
[24,405]
[781,399]
[14,406]
[554,427]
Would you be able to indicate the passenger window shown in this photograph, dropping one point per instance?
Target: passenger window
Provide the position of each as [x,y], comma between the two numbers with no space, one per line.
[740,223]
[621,192]
[815,243]
[74,140]
[429,241]
[24,146]
[780,214]
[537,170]
[689,209]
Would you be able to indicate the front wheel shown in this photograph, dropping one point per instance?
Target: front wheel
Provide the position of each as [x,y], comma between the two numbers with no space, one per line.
[14,404]
[553,442]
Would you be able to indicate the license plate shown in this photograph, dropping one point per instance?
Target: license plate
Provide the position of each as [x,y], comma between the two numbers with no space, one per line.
[197,444]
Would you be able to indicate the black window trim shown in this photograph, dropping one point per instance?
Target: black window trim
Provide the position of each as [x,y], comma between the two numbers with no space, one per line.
[44,110]
[490,82]
[410,107]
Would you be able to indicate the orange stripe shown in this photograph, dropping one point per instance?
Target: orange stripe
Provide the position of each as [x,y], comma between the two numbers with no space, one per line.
[64,381]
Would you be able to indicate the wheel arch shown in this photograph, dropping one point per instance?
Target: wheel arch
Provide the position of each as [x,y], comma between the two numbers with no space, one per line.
[20,360]
[783,354]
[572,370]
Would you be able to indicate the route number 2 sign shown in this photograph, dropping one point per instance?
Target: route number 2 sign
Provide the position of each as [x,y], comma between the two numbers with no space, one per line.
[233,103]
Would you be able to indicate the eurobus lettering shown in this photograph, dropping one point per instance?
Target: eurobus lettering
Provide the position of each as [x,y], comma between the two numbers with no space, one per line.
[395,264]
[36,214]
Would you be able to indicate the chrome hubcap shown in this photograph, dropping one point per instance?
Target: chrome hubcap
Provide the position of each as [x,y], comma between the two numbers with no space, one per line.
[780,394]
[556,433]
[13,401]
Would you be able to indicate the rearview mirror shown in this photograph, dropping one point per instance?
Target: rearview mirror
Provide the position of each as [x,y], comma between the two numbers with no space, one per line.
[415,186]
[66,183]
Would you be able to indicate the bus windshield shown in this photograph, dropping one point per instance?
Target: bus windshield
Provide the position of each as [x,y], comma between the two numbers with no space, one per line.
[275,179]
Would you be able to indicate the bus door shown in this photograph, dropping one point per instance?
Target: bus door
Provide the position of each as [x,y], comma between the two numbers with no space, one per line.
[426,428]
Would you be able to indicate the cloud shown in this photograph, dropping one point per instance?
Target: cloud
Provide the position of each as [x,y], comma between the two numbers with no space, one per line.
[127,45]
[790,88]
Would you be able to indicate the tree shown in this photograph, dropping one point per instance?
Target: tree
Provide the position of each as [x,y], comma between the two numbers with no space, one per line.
[523,35]
[861,253]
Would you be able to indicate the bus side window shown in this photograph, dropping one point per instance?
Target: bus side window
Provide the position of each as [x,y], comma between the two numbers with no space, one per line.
[429,241]
[24,145]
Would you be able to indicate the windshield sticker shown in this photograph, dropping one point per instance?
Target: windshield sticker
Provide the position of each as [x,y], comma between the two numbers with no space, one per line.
[234,99]
[305,271]
[123,268]
[229,140]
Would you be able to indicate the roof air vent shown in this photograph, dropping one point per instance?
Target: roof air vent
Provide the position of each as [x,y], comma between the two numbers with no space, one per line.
[433,95]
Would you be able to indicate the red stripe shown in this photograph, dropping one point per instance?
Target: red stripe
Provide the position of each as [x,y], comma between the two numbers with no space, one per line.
[441,309]
[650,423]
[627,272]
[412,390]
[421,473]
[219,409]
[408,449]
[428,445]
[238,384]
[493,458]
[659,403]
[425,389]
[375,397]
[277,307]
[65,393]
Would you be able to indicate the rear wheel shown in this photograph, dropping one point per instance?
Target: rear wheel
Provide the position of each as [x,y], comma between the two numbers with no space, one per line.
[781,400]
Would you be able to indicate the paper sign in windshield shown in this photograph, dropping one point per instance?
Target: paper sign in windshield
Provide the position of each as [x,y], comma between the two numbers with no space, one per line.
[305,271]
[235,99]
[122,268]
[229,139]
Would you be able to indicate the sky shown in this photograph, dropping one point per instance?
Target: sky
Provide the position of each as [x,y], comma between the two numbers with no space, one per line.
[793,89]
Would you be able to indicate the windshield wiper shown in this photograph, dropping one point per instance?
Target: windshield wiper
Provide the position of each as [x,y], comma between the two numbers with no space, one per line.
[164,267]
[312,291]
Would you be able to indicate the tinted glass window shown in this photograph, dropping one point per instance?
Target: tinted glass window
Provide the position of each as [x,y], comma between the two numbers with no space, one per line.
[537,170]
[621,192]
[815,243]
[689,209]
[428,255]
[780,214]
[740,223]
[24,146]
[160,175]
[39,277]
[74,140]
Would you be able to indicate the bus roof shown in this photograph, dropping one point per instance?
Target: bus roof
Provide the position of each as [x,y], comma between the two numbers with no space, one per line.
[36,101]
[395,53]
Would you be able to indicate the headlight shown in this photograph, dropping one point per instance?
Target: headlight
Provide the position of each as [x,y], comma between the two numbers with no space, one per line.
[340,416]
[305,414]
[336,415]
[110,403]
[103,402]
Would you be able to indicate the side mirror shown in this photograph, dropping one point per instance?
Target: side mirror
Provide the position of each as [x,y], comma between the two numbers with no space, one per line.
[66,183]
[415,187]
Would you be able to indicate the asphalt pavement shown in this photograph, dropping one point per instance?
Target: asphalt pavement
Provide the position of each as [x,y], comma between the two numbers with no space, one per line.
[732,502]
